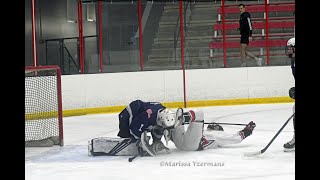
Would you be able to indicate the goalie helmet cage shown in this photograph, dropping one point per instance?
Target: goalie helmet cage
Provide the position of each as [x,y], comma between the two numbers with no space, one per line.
[43,106]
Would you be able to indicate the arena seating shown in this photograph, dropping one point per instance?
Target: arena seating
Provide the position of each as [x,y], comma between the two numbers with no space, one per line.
[276,39]
[256,25]
[253,8]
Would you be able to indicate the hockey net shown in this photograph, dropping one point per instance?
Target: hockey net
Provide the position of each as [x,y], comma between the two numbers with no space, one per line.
[43,107]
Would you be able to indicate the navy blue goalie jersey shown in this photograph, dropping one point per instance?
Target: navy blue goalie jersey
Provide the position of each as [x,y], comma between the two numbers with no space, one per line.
[142,115]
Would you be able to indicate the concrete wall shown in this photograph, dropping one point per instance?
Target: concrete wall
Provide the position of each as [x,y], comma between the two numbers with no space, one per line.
[119,89]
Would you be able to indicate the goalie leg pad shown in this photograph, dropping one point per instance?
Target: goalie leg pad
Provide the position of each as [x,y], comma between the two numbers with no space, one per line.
[106,146]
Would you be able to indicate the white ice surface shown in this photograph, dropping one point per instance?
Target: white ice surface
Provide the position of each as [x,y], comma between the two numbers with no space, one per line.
[71,162]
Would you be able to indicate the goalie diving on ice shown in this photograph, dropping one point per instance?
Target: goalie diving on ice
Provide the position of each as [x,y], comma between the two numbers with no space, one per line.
[136,118]
[195,138]
[140,119]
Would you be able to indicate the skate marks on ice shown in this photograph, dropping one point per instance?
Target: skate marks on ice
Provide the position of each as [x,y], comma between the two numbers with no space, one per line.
[70,153]
[276,154]
[240,113]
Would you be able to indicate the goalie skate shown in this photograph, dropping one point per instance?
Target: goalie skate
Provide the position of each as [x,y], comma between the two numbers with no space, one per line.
[107,146]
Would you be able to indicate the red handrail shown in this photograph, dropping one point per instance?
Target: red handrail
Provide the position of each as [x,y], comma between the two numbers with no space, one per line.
[224,35]
[256,35]
[182,53]
[255,25]
[251,4]
[267,30]
[257,43]
[140,35]
[237,55]
[34,42]
[259,8]
[80,36]
[261,19]
[100,36]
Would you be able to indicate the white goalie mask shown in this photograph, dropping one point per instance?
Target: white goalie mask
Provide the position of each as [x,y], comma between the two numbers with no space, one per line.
[290,48]
[166,118]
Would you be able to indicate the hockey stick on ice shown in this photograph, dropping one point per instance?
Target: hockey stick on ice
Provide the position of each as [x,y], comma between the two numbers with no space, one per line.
[264,149]
[224,123]
[228,124]
[133,157]
[141,153]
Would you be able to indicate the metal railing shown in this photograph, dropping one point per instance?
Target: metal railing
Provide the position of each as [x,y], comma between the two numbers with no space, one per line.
[176,33]
[63,50]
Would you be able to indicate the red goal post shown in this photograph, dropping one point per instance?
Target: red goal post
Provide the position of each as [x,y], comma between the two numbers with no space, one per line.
[43,106]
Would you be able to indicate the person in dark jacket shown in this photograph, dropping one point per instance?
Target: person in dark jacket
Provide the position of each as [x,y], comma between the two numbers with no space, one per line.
[290,52]
[246,33]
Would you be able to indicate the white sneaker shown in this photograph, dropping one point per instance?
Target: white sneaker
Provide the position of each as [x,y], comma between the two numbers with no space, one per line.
[244,65]
[259,61]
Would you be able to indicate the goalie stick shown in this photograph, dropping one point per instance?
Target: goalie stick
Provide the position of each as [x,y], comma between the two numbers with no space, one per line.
[224,123]
[140,153]
[144,153]
[248,154]
[133,157]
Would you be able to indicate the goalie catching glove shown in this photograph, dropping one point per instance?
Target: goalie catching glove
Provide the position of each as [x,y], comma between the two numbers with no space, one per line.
[154,148]
[187,117]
